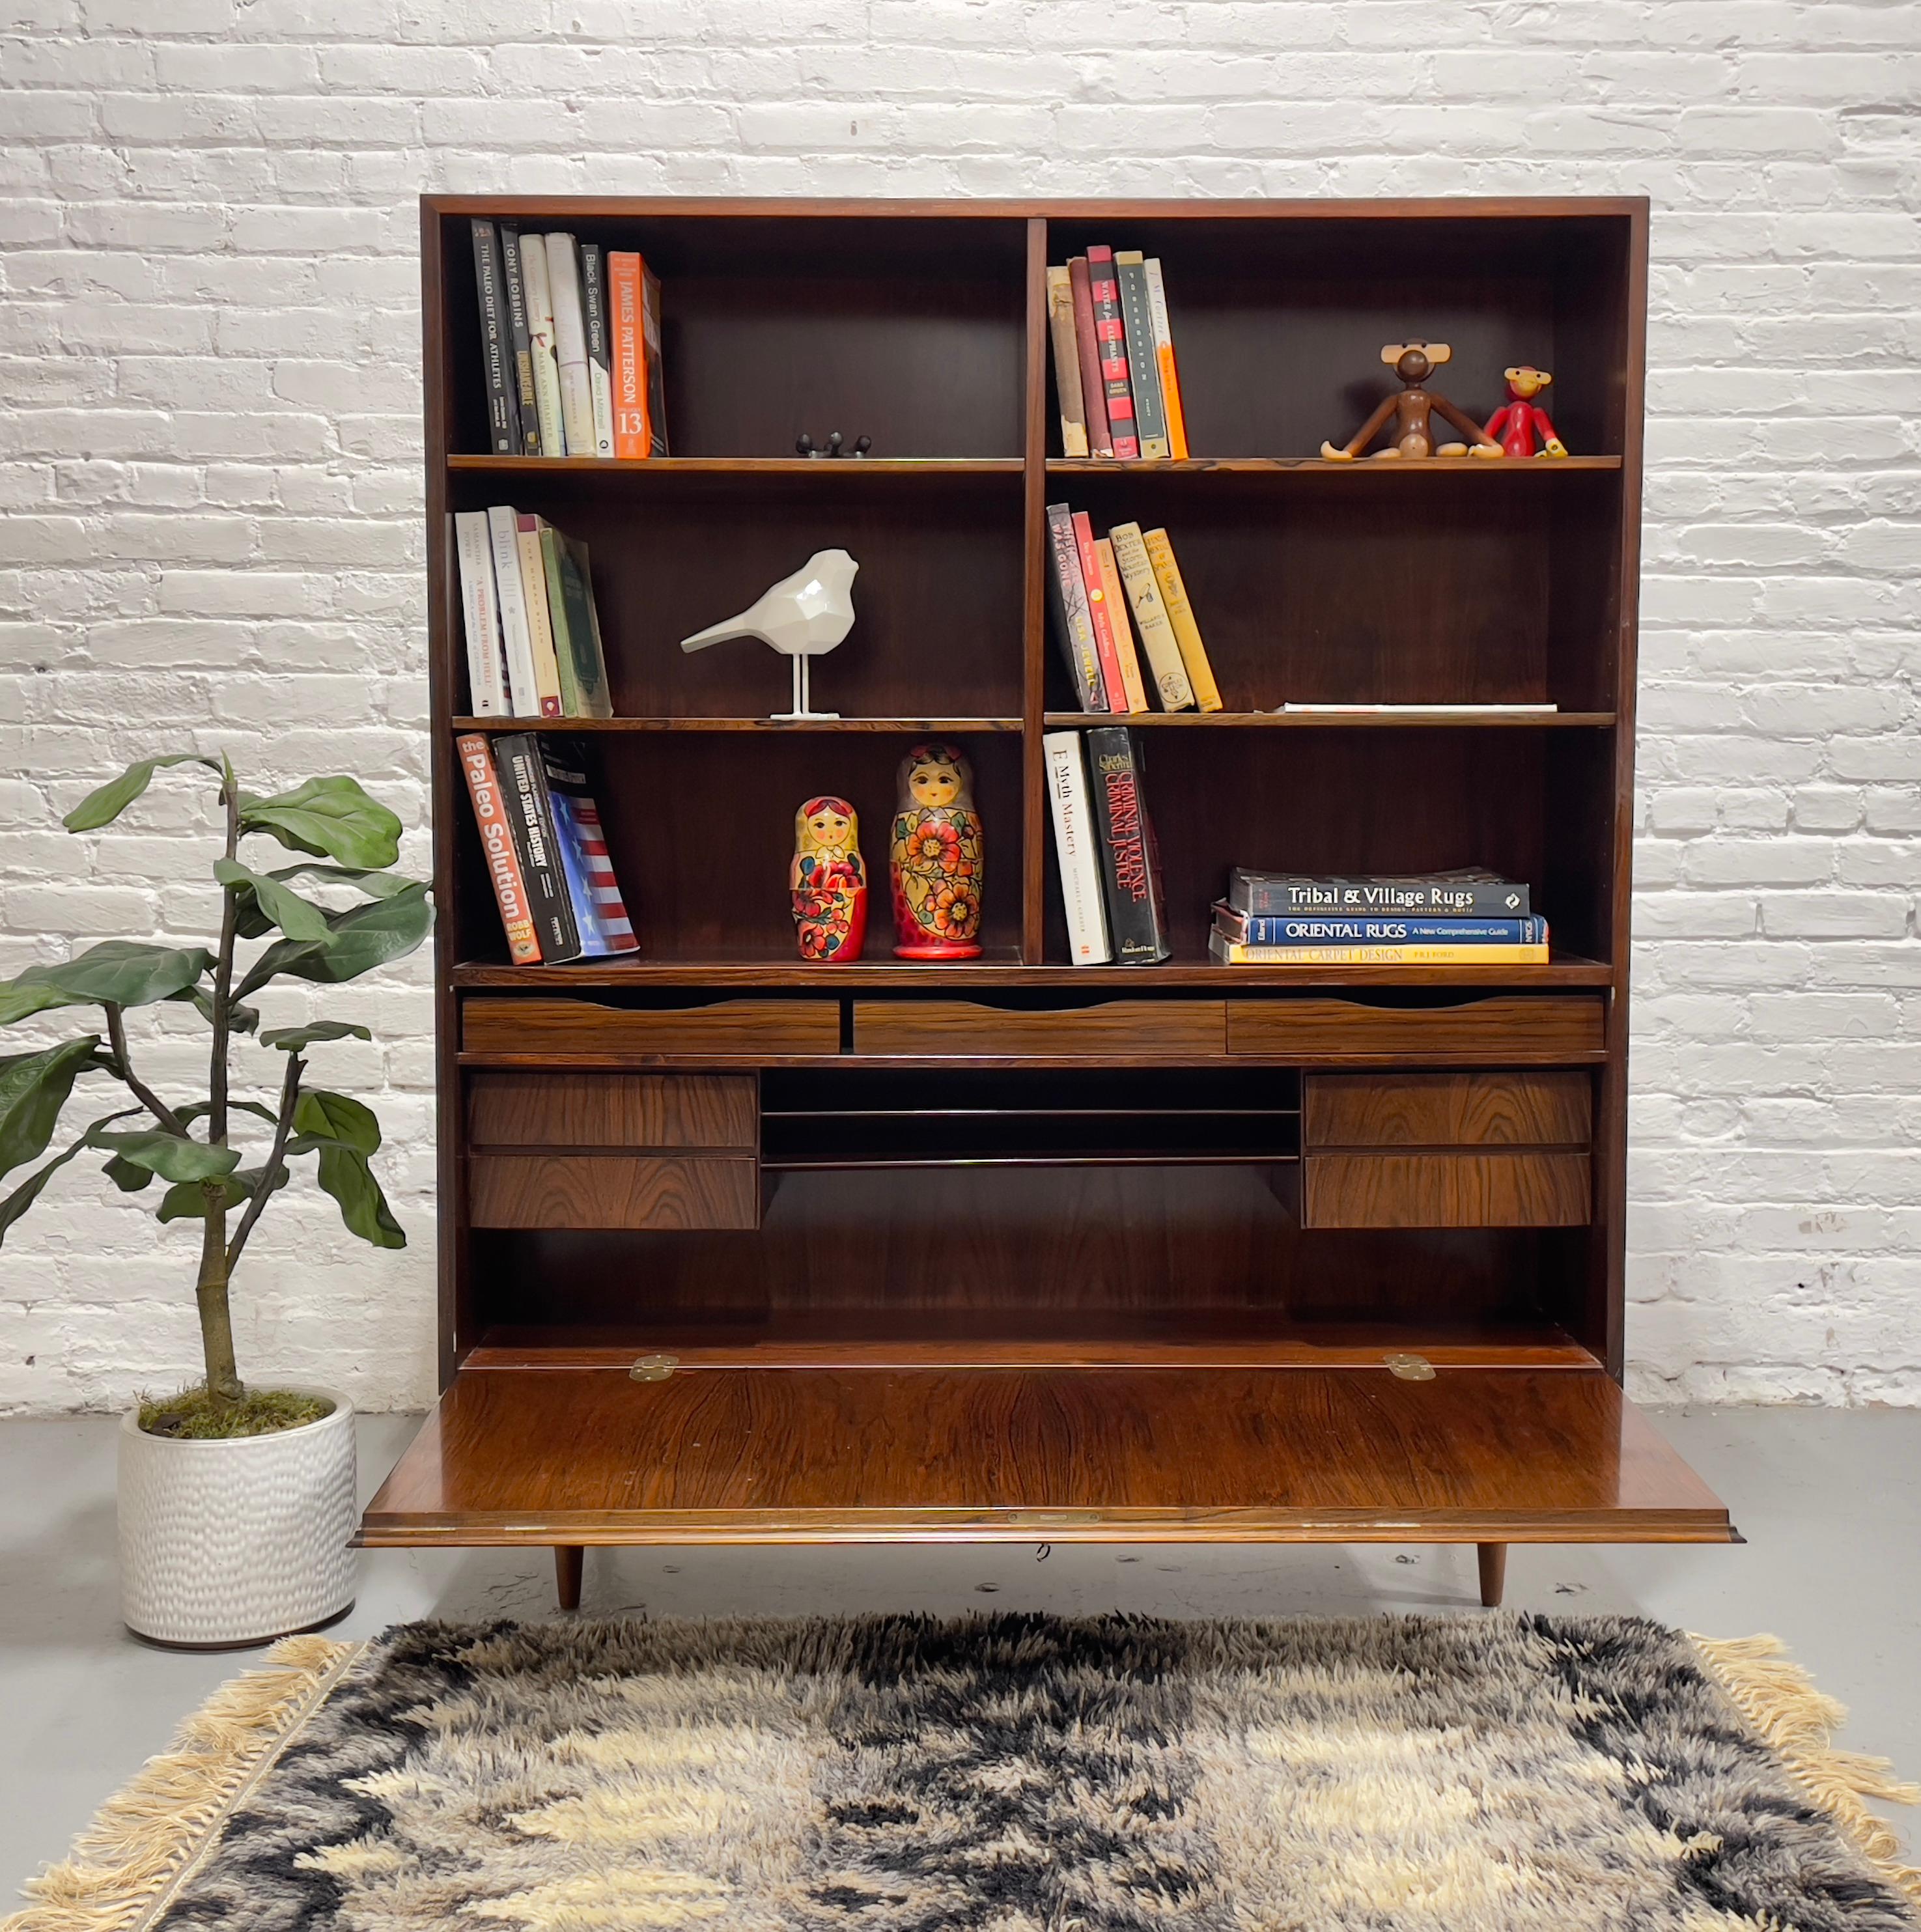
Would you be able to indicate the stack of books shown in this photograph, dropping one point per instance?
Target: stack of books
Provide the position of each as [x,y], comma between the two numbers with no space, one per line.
[570,343]
[547,857]
[1113,372]
[1468,918]
[1110,869]
[533,647]
[1092,586]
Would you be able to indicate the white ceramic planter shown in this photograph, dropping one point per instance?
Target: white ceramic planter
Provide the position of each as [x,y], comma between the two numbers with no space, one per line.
[236,1542]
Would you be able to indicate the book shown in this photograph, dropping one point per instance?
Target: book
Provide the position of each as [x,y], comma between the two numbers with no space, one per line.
[640,419]
[497,346]
[1136,920]
[570,344]
[600,913]
[523,775]
[1143,364]
[1112,683]
[1226,951]
[496,847]
[1150,608]
[521,338]
[1086,347]
[523,686]
[540,332]
[1163,356]
[656,369]
[1114,597]
[1180,615]
[577,649]
[1077,849]
[1067,362]
[539,624]
[600,369]
[1111,339]
[1472,892]
[1328,929]
[1068,608]
[480,609]
[549,539]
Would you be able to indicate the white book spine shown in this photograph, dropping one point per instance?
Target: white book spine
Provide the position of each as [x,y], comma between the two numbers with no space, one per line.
[540,620]
[540,330]
[570,344]
[503,526]
[486,684]
[1074,846]
[602,387]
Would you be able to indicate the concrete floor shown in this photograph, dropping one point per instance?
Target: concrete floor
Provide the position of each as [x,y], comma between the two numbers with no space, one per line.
[1830,1501]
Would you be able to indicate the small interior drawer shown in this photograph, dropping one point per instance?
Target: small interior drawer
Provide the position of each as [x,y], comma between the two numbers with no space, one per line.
[729,1030]
[613,1190]
[1504,1029]
[612,1110]
[1446,1190]
[1116,1030]
[1447,1110]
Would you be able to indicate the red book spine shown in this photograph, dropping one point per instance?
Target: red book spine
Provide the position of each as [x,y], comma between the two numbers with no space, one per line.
[1097,612]
[1104,287]
[497,845]
[1100,438]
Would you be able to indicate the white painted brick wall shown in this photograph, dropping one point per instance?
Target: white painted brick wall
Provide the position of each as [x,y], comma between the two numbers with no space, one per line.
[209,470]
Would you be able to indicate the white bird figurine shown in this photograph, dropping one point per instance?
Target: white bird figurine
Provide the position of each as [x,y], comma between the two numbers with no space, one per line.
[801,616]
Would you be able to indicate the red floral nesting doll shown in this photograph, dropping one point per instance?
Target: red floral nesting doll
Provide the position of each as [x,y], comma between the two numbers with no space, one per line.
[829,882]
[936,856]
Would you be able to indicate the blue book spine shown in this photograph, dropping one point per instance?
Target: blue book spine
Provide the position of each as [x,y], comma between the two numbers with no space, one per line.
[1271,930]
[573,862]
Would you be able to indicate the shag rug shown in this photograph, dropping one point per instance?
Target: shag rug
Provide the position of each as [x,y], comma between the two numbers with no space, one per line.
[1011,1774]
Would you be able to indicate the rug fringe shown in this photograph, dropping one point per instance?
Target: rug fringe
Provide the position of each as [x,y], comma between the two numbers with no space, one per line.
[1780,1700]
[144,1835]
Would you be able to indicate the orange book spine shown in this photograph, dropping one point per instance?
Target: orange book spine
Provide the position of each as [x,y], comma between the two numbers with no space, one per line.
[497,845]
[1097,612]
[632,435]
[1170,395]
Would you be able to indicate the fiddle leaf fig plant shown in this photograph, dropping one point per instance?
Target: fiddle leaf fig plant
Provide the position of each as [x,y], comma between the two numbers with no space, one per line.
[349,840]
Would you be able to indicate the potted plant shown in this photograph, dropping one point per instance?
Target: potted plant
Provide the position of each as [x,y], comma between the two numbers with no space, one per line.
[236,1505]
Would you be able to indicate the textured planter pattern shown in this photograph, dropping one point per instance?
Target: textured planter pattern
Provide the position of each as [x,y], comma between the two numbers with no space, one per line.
[236,1542]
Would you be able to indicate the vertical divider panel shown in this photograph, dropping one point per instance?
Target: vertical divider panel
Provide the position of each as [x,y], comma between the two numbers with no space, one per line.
[1036,826]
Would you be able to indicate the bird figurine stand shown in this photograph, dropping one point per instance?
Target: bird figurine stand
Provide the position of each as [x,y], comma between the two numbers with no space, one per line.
[935,859]
[1517,423]
[828,883]
[803,616]
[1414,410]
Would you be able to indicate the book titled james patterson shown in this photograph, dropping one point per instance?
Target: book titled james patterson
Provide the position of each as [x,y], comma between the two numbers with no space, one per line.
[1136,909]
[1472,892]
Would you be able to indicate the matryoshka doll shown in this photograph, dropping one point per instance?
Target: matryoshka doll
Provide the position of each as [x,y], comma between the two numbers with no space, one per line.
[829,882]
[936,858]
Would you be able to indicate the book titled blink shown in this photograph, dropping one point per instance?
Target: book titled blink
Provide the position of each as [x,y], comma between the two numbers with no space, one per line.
[600,913]
[1471,892]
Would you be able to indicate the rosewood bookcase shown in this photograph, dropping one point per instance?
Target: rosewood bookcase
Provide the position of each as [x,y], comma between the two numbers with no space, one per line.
[736,1249]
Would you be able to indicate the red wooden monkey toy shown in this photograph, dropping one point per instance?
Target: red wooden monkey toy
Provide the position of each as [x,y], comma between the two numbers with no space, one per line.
[1516,424]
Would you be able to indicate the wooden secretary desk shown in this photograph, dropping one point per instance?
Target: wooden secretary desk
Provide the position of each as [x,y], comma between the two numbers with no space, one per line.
[737,1249]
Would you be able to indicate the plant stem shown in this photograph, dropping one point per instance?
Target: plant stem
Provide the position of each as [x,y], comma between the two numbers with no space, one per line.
[289,1093]
[224,1382]
[116,1036]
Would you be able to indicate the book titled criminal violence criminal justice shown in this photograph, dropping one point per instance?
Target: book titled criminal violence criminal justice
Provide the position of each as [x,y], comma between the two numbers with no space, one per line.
[1472,893]
[1137,914]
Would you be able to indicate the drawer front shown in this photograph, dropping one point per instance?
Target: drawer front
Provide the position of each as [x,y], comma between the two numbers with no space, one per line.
[1445,1110]
[612,1190]
[1446,1190]
[1503,1030]
[1117,1030]
[613,1110]
[731,1030]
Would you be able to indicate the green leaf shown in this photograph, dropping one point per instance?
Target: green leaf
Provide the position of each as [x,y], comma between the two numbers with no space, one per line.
[239,1018]
[292,1039]
[375,885]
[186,1200]
[172,1156]
[103,806]
[333,818]
[117,972]
[319,1115]
[128,1176]
[345,1174]
[23,1197]
[34,1087]
[198,1109]
[298,918]
[362,938]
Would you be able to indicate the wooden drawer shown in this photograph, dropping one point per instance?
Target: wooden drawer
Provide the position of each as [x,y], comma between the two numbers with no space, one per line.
[1445,1110]
[1446,1190]
[1503,1030]
[1116,1030]
[612,1190]
[730,1029]
[613,1110]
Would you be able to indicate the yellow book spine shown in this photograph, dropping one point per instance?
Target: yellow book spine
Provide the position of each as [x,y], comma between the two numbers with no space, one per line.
[540,627]
[1237,952]
[1116,597]
[1180,615]
[1157,638]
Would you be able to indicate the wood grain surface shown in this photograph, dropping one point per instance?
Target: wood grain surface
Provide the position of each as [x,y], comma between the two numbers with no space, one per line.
[1432,1110]
[1510,1029]
[613,1110]
[726,1030]
[610,1190]
[1115,1030]
[1446,1190]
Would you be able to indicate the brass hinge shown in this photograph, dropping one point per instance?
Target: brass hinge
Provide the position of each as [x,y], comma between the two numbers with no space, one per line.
[1410,1368]
[653,1368]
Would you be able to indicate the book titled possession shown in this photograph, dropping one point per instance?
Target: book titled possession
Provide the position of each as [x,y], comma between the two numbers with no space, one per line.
[1136,910]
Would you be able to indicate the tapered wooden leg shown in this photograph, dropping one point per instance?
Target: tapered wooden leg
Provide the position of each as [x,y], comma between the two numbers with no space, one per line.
[1493,1572]
[567,1561]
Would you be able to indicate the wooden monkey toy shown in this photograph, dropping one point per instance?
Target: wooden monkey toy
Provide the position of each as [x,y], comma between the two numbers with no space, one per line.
[1413,411]
[1517,422]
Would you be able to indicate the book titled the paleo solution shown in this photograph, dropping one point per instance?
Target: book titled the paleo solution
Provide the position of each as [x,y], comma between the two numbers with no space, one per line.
[1472,892]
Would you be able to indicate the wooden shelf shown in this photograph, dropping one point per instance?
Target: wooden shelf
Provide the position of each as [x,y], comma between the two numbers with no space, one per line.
[614,726]
[1386,721]
[662,468]
[1321,465]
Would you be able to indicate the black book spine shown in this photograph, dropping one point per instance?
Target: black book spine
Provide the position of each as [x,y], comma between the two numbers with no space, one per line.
[1264,896]
[503,416]
[593,305]
[1067,607]
[1136,921]
[523,779]
[521,339]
